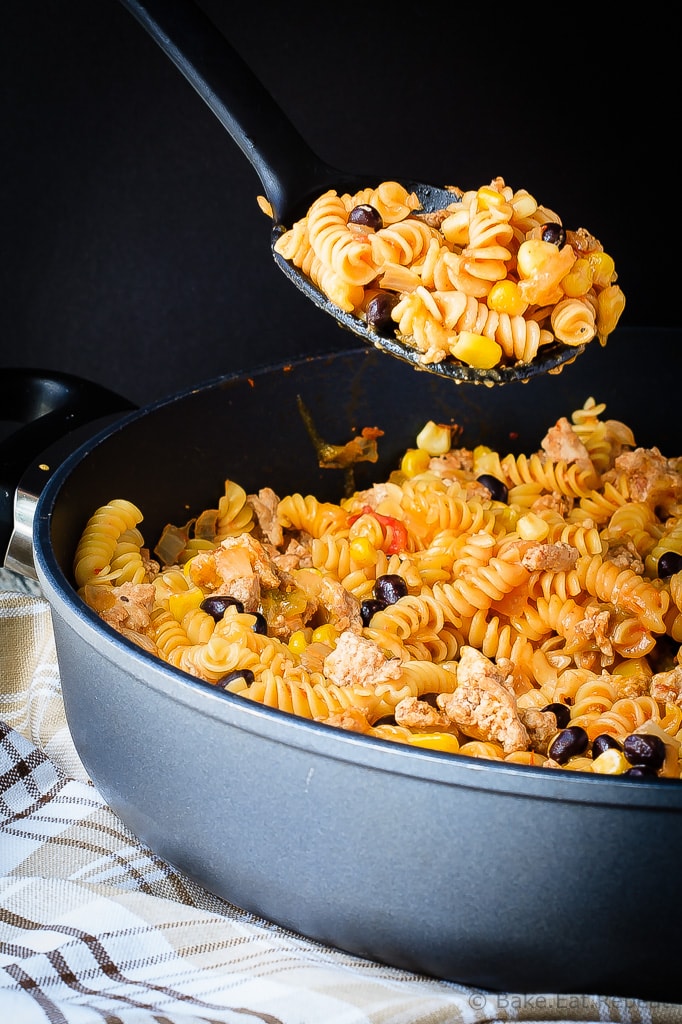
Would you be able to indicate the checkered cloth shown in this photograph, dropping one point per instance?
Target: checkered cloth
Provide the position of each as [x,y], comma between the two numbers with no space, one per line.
[95,928]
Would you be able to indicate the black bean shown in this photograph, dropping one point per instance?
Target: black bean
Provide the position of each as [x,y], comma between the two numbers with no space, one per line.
[640,771]
[369,608]
[261,623]
[568,743]
[378,313]
[390,588]
[604,742]
[385,720]
[669,563]
[239,673]
[217,605]
[560,712]
[367,216]
[665,654]
[554,233]
[498,489]
[644,749]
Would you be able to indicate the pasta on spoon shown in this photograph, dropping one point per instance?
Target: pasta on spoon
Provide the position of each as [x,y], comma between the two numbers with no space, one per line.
[489,281]
[361,236]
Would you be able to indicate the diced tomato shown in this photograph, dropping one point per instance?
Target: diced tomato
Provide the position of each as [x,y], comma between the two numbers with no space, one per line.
[395,532]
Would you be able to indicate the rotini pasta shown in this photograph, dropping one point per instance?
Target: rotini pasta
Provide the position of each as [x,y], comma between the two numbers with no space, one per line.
[486,281]
[523,608]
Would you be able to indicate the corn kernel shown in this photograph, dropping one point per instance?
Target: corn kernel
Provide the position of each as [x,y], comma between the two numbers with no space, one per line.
[363,552]
[603,269]
[533,255]
[434,438]
[414,462]
[187,601]
[611,762]
[477,350]
[532,527]
[444,741]
[489,198]
[505,297]
[485,460]
[579,279]
[297,642]
[326,634]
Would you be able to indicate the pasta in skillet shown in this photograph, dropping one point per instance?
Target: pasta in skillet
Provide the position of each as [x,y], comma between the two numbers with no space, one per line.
[523,608]
[486,281]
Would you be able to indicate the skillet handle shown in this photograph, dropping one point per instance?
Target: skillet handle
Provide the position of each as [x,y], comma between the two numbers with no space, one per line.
[43,416]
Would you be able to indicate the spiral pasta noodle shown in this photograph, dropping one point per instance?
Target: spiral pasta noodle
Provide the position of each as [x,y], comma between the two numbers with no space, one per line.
[97,545]
[468,604]
[335,245]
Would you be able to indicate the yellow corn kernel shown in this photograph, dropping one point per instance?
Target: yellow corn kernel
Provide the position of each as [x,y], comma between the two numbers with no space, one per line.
[414,462]
[610,305]
[532,527]
[505,297]
[489,198]
[477,350]
[611,762]
[363,552]
[603,269]
[326,634]
[434,438]
[444,741]
[187,601]
[533,256]
[579,279]
[485,460]
[297,642]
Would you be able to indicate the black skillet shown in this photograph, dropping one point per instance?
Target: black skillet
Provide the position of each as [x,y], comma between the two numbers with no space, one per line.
[507,877]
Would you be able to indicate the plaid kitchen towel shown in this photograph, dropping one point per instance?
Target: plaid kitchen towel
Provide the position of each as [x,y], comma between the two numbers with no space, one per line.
[95,928]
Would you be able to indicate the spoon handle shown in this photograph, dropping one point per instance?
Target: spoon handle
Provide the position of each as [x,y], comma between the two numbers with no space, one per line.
[290,172]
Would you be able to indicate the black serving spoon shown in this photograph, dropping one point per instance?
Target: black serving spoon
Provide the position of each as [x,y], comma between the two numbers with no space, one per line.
[292,175]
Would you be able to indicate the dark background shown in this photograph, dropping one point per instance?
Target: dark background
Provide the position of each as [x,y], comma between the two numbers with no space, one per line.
[133,249]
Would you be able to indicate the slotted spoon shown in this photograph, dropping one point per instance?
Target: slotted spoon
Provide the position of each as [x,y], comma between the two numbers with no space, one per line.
[293,175]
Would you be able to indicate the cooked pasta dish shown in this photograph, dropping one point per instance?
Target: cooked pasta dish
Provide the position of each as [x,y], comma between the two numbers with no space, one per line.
[520,608]
[486,281]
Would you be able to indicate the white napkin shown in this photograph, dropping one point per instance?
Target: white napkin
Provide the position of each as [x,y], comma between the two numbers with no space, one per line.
[94,927]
